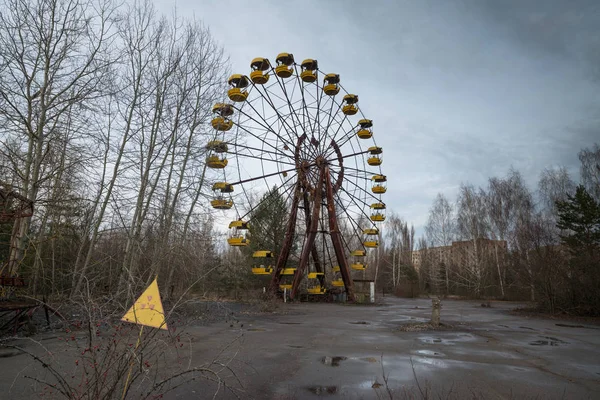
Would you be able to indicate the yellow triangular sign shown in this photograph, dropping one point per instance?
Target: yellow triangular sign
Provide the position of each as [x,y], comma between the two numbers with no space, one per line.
[147,309]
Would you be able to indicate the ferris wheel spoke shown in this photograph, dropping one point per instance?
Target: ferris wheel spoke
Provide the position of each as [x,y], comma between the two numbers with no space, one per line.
[276,153]
[264,124]
[267,97]
[277,188]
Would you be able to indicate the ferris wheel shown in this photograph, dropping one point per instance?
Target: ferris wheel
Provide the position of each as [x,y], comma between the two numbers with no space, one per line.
[292,130]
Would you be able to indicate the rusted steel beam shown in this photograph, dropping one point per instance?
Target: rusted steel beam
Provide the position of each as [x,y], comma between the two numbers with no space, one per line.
[288,240]
[336,238]
[312,234]
[314,252]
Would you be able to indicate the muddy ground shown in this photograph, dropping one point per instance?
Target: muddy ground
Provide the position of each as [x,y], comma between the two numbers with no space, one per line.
[315,350]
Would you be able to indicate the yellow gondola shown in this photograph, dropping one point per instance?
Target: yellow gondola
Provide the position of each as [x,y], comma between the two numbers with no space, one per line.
[287,286]
[237,83]
[379,186]
[309,74]
[358,253]
[288,271]
[336,268]
[371,231]
[216,162]
[314,275]
[337,282]
[262,270]
[358,267]
[377,217]
[316,290]
[224,187]
[378,189]
[238,224]
[262,254]
[221,204]
[378,206]
[330,84]
[238,241]
[375,150]
[217,146]
[365,129]
[371,243]
[350,108]
[221,124]
[284,62]
[374,160]
[257,75]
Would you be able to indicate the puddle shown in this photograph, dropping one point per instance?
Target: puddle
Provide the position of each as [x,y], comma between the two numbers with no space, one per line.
[369,359]
[256,330]
[361,323]
[526,327]
[431,361]
[548,341]
[430,353]
[449,340]
[319,390]
[333,361]
[570,326]
[295,346]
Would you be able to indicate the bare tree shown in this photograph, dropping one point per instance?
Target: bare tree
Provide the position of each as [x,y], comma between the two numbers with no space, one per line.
[440,230]
[472,225]
[590,169]
[54,59]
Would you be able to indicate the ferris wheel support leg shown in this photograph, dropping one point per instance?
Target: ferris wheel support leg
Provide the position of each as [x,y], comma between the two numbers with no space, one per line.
[287,243]
[336,239]
[310,239]
[314,252]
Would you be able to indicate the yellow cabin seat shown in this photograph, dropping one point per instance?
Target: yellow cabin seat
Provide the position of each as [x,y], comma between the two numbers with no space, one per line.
[336,268]
[238,95]
[238,82]
[379,189]
[284,67]
[259,78]
[358,253]
[216,162]
[288,271]
[350,108]
[316,290]
[308,74]
[374,161]
[314,275]
[330,84]
[262,270]
[377,217]
[238,241]
[287,286]
[221,124]
[262,254]
[221,204]
[371,243]
[337,283]
[358,267]
[364,134]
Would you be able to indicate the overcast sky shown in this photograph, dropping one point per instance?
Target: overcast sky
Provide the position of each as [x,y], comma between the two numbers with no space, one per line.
[458,91]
